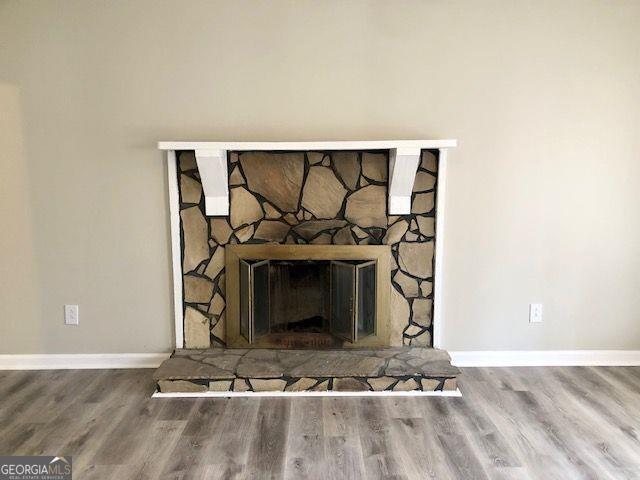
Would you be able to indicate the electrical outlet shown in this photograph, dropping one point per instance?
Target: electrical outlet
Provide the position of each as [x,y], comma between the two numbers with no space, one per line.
[535,313]
[71,315]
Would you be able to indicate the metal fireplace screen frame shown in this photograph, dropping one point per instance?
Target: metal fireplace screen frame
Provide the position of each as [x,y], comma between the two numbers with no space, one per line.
[246,263]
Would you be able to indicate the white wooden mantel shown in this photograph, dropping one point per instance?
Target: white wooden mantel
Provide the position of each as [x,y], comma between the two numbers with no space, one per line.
[404,158]
[211,157]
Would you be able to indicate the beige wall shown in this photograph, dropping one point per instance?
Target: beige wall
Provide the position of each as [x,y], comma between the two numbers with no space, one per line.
[543,194]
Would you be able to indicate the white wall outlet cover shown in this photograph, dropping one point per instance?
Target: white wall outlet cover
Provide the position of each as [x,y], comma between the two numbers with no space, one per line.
[71,316]
[535,313]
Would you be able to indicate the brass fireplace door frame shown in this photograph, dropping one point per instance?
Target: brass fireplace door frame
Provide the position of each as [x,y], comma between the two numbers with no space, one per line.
[381,254]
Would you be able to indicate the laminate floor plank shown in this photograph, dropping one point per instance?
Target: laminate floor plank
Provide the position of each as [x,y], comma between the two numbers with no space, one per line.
[340,416]
[511,423]
[418,450]
[378,449]
[189,453]
[553,431]
[462,459]
[21,398]
[267,452]
[160,442]
[12,381]
[92,435]
[59,413]
[596,423]
[504,408]
[305,440]
[229,448]
[343,451]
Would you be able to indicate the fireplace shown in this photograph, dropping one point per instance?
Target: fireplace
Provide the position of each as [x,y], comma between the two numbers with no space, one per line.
[308,296]
[306,267]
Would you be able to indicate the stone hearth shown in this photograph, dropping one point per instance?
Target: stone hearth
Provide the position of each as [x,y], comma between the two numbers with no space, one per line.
[263,370]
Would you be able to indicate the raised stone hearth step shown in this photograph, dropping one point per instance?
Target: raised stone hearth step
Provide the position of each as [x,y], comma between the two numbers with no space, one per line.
[260,370]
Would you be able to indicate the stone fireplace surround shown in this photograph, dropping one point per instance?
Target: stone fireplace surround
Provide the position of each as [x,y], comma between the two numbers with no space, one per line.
[317,197]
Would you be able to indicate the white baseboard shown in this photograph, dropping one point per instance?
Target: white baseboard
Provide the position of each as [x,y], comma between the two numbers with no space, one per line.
[500,358]
[81,361]
[541,358]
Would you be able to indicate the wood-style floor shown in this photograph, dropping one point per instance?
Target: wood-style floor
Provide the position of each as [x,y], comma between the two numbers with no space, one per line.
[513,423]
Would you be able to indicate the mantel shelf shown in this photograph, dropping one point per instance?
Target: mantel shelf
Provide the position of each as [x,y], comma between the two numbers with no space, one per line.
[311,145]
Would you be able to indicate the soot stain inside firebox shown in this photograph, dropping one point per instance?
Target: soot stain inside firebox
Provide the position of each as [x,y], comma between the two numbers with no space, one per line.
[300,298]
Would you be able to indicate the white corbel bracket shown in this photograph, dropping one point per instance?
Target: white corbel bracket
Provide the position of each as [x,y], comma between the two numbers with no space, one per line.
[212,165]
[403,165]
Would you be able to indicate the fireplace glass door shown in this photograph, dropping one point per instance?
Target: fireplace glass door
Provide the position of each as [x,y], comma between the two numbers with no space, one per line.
[342,295]
[317,300]
[353,299]
[365,321]
[254,299]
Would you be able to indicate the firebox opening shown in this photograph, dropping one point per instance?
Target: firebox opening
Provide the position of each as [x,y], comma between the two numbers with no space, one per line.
[299,296]
[301,301]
